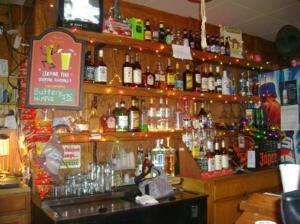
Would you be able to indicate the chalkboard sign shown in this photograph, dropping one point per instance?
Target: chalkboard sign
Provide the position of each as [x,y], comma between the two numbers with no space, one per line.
[55,71]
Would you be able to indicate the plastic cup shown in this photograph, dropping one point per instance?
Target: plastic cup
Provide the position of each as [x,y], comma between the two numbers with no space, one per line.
[290,177]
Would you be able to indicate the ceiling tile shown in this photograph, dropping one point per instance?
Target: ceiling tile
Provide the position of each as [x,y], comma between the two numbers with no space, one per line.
[264,6]
[229,14]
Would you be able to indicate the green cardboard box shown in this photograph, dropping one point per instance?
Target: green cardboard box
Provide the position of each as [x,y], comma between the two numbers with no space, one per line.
[137,27]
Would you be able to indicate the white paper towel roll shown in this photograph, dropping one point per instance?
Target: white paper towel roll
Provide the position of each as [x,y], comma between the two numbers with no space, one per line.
[290,176]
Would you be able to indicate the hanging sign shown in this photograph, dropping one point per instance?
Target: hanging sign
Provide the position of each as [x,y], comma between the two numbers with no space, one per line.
[55,71]
[72,156]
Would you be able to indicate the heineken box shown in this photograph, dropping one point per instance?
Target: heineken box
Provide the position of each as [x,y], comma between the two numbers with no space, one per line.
[137,28]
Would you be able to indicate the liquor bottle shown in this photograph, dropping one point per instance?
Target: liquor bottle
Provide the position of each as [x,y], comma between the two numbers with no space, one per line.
[89,70]
[202,117]
[100,69]
[108,121]
[188,79]
[208,41]
[198,42]
[225,157]
[94,119]
[158,155]
[155,34]
[137,73]
[170,76]
[81,125]
[210,154]
[179,40]
[152,116]
[167,115]
[185,38]
[160,115]
[140,159]
[147,32]
[204,80]
[243,85]
[218,45]
[147,164]
[168,38]
[211,80]
[197,78]
[186,117]
[218,155]
[227,47]
[122,118]
[255,86]
[195,117]
[144,117]
[225,83]
[161,33]
[178,78]
[157,75]
[232,84]
[222,46]
[127,78]
[218,84]
[212,44]
[134,116]
[249,84]
[115,112]
[148,78]
[191,40]
[169,159]
[195,145]
[178,118]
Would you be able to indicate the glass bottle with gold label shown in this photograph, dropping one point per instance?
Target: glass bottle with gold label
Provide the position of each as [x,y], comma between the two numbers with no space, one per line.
[134,116]
[170,76]
[188,79]
[148,33]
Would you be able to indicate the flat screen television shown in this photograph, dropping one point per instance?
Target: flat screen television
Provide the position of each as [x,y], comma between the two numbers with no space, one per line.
[83,14]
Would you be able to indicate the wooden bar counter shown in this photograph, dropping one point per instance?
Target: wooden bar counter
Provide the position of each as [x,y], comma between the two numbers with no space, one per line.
[226,193]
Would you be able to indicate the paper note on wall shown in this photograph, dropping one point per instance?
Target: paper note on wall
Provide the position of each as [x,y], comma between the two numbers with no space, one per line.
[289,118]
[181,52]
[72,156]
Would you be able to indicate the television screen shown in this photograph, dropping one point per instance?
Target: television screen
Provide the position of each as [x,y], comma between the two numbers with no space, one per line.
[85,14]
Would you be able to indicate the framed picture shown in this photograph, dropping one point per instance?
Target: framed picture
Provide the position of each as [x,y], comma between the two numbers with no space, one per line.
[56,67]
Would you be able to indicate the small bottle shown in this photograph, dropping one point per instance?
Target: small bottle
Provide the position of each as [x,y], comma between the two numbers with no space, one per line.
[218,84]
[89,71]
[227,47]
[202,117]
[122,118]
[134,116]
[161,33]
[168,38]
[100,69]
[225,157]
[211,80]
[204,80]
[81,125]
[144,117]
[186,117]
[137,73]
[185,38]
[218,155]
[210,154]
[197,78]
[94,119]
[152,116]
[232,84]
[188,79]
[170,76]
[127,78]
[178,78]
[148,78]
[191,40]
[147,32]
[225,83]
[108,121]
[218,45]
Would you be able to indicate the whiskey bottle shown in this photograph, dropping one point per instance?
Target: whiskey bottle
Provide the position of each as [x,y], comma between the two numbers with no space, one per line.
[211,80]
[144,117]
[137,73]
[127,73]
[178,78]
[191,40]
[218,155]
[108,121]
[202,117]
[186,117]
[94,119]
[115,112]
[170,76]
[227,47]
[168,38]
[185,38]
[204,80]
[218,84]
[134,116]
[197,78]
[188,79]
[243,85]
[100,69]
[169,159]
[158,74]
[161,33]
[152,116]
[81,125]
[89,70]
[225,157]
[147,32]
[198,42]
[148,78]
[122,118]
[195,118]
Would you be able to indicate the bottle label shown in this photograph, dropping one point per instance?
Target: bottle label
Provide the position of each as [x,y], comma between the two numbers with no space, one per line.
[189,82]
[168,39]
[122,122]
[187,123]
[211,83]
[170,79]
[162,77]
[137,76]
[134,119]
[157,77]
[101,74]
[89,73]
[218,162]
[186,42]
[196,123]
[204,84]
[127,75]
[198,78]
[150,80]
[159,112]
[225,86]
[222,50]
[152,112]
[178,84]
[148,35]
[225,161]
[167,112]
[211,164]
[111,123]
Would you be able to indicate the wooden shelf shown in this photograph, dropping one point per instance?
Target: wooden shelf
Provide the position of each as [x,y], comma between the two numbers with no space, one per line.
[156,47]
[134,91]
[117,136]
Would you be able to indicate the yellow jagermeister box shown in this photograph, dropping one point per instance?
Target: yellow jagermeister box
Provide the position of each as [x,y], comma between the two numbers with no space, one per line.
[137,27]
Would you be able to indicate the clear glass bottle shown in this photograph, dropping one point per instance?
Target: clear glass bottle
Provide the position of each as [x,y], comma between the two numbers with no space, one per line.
[152,116]
[204,80]
[144,117]
[127,74]
[249,84]
[178,118]
[134,116]
[158,155]
[186,117]
[94,119]
[160,115]
[81,124]
[243,85]
[225,157]
[100,69]
[225,83]
[122,118]
[195,117]
[169,159]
